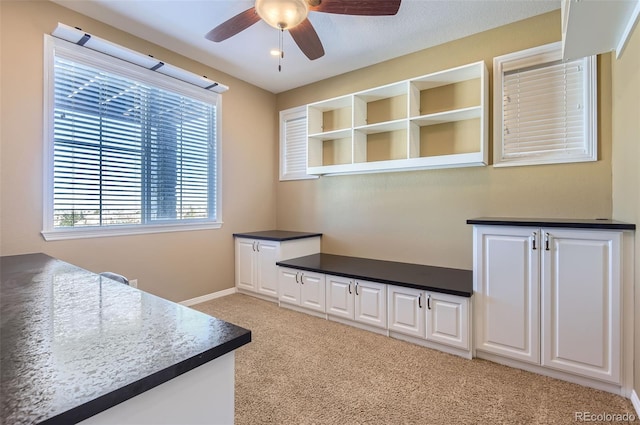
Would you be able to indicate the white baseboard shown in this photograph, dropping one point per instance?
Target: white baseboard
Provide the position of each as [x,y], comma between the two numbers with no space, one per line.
[636,402]
[208,297]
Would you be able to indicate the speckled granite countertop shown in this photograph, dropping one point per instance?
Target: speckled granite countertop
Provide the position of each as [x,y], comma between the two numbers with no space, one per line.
[74,344]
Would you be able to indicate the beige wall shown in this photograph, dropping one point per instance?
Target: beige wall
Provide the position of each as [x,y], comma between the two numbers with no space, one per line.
[177,266]
[420,216]
[626,157]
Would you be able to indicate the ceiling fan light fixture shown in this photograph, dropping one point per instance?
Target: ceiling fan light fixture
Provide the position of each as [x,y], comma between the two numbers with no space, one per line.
[282,14]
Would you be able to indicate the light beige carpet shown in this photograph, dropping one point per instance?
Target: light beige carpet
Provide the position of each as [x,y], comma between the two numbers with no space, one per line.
[305,370]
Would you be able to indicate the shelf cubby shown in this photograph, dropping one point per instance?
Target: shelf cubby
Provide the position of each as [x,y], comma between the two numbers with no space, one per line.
[389,142]
[333,148]
[449,138]
[386,103]
[330,115]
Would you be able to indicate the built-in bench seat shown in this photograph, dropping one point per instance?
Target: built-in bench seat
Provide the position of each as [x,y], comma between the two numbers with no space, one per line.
[426,305]
[428,278]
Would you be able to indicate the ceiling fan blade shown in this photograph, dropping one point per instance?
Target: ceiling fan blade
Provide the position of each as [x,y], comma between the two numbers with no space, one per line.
[307,39]
[359,7]
[233,26]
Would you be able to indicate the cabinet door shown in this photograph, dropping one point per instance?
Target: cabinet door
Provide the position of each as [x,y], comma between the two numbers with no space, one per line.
[507,285]
[266,270]
[581,302]
[288,286]
[245,264]
[406,312]
[312,291]
[448,320]
[371,303]
[340,296]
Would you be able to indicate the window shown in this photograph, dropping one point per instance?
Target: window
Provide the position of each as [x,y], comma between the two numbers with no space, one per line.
[128,150]
[293,144]
[544,109]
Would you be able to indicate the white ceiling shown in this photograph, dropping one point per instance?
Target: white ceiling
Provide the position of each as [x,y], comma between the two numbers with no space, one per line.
[350,42]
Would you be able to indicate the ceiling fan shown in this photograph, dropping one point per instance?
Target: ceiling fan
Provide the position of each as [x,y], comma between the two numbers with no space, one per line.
[291,15]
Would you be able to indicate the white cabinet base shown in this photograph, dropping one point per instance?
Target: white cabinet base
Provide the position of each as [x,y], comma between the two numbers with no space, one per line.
[302,288]
[357,300]
[545,371]
[433,345]
[256,272]
[406,314]
[555,301]
[448,320]
[358,325]
[301,309]
[256,295]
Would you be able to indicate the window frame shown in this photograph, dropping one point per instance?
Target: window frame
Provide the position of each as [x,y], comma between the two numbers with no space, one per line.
[52,46]
[539,56]
[298,112]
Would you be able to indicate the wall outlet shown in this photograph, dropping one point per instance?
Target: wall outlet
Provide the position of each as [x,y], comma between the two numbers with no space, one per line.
[133,283]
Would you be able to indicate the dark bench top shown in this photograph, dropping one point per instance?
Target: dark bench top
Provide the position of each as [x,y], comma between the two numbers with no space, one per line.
[430,278]
[74,344]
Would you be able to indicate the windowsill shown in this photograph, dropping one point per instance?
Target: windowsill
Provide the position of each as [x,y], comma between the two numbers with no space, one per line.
[88,232]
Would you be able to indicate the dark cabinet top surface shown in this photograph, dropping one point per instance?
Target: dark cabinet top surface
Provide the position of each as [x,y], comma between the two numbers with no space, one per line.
[277,235]
[602,224]
[431,278]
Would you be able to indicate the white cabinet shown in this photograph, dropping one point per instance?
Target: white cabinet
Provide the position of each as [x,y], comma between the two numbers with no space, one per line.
[507,292]
[302,288]
[406,314]
[437,120]
[432,316]
[448,320]
[256,266]
[255,262]
[362,301]
[581,284]
[551,297]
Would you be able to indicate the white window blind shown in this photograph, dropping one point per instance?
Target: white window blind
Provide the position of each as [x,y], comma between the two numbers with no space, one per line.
[127,152]
[293,144]
[546,109]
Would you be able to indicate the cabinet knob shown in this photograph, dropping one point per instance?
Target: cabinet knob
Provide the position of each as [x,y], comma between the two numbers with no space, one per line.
[534,236]
[357,287]
[428,302]
[420,301]
[350,282]
[301,276]
[546,241]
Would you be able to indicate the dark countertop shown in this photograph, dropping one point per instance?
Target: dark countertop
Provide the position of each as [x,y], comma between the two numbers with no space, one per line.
[430,278]
[277,235]
[74,344]
[602,224]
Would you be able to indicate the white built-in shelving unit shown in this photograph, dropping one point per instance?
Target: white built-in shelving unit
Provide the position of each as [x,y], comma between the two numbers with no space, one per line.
[434,121]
